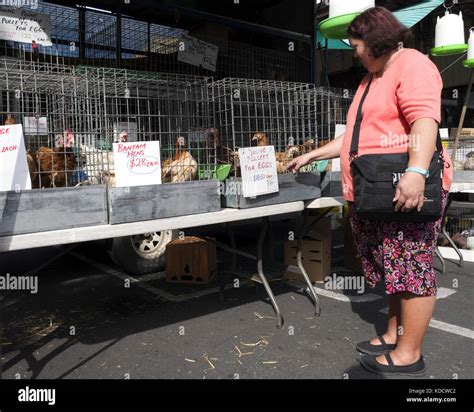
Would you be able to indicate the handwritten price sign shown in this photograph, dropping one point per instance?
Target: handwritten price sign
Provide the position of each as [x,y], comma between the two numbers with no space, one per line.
[259,172]
[14,173]
[22,25]
[137,164]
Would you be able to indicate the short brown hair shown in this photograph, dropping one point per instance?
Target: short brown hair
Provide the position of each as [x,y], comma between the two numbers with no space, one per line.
[380,30]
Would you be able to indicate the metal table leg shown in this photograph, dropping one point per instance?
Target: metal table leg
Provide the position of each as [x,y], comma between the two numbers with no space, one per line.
[261,278]
[451,242]
[446,234]
[443,262]
[261,239]
[299,258]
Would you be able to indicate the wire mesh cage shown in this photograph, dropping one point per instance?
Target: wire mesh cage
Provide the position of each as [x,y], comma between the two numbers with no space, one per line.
[460,224]
[72,115]
[293,117]
[82,36]
[464,153]
[332,107]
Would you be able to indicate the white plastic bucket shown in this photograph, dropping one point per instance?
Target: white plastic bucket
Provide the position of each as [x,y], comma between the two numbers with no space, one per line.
[450,30]
[470,53]
[341,7]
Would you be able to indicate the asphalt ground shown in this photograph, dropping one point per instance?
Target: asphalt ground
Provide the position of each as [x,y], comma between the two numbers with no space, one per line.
[85,323]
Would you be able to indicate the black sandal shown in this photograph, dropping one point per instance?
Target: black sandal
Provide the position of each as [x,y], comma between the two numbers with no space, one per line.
[376,350]
[372,365]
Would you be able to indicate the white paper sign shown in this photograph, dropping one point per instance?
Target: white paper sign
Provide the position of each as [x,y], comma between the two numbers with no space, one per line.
[24,26]
[137,164]
[259,172]
[14,172]
[198,53]
[444,133]
[336,163]
[340,129]
[35,126]
[128,129]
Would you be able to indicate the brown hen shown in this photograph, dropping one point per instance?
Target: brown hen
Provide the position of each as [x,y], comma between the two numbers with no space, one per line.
[180,168]
[55,166]
[282,158]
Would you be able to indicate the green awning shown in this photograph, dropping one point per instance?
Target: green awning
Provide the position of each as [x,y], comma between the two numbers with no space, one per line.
[409,16]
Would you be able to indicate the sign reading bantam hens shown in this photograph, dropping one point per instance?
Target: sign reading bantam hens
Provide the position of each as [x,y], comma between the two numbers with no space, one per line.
[259,171]
[137,164]
[14,172]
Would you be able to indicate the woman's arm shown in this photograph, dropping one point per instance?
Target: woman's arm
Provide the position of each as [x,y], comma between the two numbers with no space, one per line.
[330,151]
[410,189]
[422,143]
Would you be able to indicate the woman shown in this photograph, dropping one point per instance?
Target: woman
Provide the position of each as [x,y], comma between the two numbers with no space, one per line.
[400,114]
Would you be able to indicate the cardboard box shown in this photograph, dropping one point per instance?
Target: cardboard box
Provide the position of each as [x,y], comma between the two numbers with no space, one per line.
[351,256]
[465,132]
[191,260]
[316,257]
[320,230]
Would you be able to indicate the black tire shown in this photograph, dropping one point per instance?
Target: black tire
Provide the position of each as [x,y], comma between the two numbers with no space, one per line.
[141,254]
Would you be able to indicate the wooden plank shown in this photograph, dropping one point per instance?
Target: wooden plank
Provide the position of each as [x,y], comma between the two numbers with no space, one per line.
[303,186]
[85,234]
[139,203]
[331,184]
[325,202]
[466,133]
[42,210]
[463,176]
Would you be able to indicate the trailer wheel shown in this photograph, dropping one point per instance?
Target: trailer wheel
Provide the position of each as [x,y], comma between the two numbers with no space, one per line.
[141,254]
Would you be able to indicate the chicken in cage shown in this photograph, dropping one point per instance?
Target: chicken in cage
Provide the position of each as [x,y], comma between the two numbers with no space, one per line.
[460,224]
[464,159]
[294,117]
[79,113]
[260,113]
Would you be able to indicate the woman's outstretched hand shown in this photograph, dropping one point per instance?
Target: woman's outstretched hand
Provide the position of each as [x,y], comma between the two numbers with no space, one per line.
[410,193]
[298,163]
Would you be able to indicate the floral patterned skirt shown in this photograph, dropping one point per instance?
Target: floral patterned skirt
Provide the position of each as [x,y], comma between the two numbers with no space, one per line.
[401,253]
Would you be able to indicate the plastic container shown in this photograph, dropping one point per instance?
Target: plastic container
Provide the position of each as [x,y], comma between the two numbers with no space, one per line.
[219,172]
[470,54]
[341,7]
[341,14]
[450,38]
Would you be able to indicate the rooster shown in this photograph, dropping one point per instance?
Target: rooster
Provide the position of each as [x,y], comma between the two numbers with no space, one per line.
[97,164]
[10,121]
[260,138]
[282,158]
[182,167]
[55,166]
[32,161]
[108,178]
[123,137]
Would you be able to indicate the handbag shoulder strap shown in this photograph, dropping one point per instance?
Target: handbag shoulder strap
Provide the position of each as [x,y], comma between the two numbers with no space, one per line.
[358,122]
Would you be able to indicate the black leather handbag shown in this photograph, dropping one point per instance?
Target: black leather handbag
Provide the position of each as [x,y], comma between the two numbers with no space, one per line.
[376,176]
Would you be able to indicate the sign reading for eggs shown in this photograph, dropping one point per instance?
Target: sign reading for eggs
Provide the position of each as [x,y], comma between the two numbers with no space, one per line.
[137,164]
[259,171]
